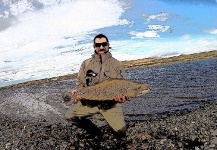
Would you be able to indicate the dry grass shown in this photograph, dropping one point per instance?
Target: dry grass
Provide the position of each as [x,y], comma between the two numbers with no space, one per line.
[150,62]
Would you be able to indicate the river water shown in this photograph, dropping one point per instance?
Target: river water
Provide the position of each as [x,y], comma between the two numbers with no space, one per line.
[174,87]
[180,86]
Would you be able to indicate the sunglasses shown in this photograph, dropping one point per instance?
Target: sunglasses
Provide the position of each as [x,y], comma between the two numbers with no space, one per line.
[99,44]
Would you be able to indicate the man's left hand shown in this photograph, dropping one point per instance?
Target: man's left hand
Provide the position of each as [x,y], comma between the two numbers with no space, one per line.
[121,99]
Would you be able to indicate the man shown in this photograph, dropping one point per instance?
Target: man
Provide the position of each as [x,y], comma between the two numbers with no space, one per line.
[101,66]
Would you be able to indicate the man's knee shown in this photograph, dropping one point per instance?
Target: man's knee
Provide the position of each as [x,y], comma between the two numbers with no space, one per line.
[69,116]
[122,130]
[121,133]
[73,119]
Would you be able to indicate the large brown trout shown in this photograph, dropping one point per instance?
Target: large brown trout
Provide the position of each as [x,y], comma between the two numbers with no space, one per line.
[108,89]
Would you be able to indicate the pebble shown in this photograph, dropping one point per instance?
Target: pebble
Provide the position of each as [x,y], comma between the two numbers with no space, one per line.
[81,145]
[8,146]
[196,148]
[212,146]
[167,133]
[214,133]
[163,141]
[214,141]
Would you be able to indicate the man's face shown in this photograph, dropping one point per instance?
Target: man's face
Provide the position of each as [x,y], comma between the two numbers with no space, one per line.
[101,46]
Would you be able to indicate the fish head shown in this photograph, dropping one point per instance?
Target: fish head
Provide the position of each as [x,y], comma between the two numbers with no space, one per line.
[143,89]
[137,89]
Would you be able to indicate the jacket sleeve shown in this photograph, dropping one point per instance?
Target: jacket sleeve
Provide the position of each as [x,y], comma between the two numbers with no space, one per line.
[122,73]
[117,69]
[81,76]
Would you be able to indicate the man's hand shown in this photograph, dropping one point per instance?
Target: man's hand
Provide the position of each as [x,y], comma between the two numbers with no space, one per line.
[121,99]
[77,98]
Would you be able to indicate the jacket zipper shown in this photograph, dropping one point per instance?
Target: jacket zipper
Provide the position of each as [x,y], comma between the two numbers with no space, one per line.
[100,57]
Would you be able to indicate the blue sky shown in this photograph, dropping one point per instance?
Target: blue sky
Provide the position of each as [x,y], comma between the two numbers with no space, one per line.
[47,38]
[195,18]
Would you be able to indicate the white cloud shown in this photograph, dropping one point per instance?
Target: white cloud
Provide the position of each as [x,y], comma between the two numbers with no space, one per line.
[5,14]
[147,34]
[53,23]
[186,36]
[182,46]
[152,31]
[125,22]
[33,40]
[20,7]
[211,31]
[16,7]
[159,28]
[140,48]
[161,17]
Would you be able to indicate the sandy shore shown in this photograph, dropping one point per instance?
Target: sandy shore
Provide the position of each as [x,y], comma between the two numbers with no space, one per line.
[185,82]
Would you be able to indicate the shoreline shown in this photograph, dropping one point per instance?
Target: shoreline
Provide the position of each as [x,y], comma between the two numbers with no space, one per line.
[179,113]
[129,65]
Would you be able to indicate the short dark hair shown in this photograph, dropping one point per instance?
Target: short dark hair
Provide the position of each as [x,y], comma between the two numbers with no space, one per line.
[100,36]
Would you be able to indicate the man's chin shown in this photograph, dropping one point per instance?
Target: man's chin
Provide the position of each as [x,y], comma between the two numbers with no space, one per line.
[102,52]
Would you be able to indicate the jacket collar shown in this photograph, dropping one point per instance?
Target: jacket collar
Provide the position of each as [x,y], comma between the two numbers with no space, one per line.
[101,58]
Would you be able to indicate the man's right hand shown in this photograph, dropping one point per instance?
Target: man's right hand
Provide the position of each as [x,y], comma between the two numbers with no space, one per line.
[77,98]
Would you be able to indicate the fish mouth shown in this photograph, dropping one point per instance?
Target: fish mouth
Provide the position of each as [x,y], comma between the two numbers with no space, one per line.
[143,92]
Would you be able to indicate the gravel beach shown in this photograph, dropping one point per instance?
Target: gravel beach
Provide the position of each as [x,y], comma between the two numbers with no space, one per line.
[185,129]
[180,112]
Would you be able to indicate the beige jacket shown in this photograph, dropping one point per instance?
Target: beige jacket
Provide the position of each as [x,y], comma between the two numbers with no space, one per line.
[104,66]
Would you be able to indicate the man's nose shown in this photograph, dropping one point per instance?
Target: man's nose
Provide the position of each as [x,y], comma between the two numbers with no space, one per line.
[101,47]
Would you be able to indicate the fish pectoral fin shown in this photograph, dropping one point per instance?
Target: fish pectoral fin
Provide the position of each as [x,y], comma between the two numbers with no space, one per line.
[67,96]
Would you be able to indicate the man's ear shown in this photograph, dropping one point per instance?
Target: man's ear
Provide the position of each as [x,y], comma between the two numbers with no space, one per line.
[109,46]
